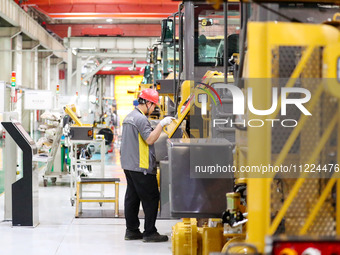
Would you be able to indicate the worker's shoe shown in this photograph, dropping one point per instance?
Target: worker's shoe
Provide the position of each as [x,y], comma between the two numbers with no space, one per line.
[155,237]
[133,235]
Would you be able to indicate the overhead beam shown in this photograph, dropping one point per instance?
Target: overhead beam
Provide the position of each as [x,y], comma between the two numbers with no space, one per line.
[116,43]
[116,56]
[119,65]
[13,14]
[126,30]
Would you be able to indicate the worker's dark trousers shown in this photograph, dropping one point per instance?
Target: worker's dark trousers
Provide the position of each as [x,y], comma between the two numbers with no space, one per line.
[141,188]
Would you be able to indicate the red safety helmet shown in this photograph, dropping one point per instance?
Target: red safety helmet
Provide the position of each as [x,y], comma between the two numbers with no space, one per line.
[149,95]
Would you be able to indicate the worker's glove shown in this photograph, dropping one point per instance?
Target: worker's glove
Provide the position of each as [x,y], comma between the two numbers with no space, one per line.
[166,121]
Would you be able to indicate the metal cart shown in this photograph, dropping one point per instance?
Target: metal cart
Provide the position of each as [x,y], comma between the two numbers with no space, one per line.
[77,163]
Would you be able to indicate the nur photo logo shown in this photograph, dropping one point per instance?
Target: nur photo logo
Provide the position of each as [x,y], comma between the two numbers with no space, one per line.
[241,99]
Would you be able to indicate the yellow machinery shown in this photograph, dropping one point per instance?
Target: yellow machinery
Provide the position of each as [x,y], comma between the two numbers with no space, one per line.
[304,197]
[71,111]
[183,109]
[79,130]
[304,201]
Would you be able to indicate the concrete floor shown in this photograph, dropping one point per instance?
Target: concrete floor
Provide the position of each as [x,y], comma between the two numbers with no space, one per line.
[59,232]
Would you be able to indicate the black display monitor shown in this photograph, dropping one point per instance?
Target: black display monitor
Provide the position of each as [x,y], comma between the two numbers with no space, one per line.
[24,190]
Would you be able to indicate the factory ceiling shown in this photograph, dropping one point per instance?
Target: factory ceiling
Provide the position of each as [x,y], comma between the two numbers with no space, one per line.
[133,18]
